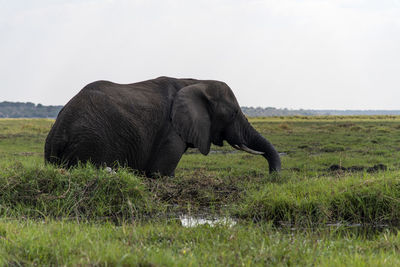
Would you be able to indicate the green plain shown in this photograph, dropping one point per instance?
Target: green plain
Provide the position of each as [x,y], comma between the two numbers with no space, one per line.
[336,201]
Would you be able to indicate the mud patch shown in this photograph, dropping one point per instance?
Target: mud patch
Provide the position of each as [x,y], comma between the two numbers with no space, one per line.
[332,148]
[304,147]
[346,125]
[375,168]
[202,190]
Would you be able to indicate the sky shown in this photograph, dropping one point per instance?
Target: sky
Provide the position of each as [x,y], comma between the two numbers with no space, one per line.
[310,54]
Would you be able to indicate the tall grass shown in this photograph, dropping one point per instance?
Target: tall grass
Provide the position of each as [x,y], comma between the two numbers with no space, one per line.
[45,191]
[351,198]
[36,191]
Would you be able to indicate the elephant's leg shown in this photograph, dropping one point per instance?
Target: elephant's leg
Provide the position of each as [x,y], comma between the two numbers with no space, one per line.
[168,156]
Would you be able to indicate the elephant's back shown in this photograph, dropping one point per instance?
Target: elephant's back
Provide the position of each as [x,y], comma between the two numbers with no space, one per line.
[107,122]
[137,106]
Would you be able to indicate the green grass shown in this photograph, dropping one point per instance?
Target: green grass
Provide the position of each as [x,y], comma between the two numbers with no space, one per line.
[84,192]
[353,198]
[341,170]
[68,243]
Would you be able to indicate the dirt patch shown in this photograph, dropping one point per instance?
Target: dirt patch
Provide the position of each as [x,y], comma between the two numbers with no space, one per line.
[375,168]
[332,148]
[200,190]
[284,126]
[303,147]
[346,125]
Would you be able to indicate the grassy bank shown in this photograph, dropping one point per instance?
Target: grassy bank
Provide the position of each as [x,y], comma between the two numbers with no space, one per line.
[95,194]
[351,198]
[85,192]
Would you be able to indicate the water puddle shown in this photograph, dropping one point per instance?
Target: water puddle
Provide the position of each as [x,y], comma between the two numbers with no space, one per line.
[190,221]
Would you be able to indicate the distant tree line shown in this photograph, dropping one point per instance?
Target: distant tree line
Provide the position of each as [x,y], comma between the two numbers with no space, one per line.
[267,112]
[27,110]
[30,110]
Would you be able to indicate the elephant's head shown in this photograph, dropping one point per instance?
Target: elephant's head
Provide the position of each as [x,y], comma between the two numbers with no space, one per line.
[208,112]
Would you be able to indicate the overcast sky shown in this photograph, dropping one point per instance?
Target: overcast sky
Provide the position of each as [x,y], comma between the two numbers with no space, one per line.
[310,54]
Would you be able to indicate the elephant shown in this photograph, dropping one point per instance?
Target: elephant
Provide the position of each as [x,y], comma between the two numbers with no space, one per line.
[148,126]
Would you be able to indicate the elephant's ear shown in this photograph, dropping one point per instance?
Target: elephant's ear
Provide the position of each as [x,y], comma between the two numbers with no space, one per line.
[190,116]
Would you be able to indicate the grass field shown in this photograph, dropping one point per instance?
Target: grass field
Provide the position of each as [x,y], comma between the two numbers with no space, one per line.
[336,201]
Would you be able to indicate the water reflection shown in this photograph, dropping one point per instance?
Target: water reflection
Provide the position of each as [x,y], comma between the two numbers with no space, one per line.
[190,221]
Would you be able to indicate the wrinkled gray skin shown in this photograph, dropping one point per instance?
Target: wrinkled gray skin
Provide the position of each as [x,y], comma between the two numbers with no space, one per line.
[149,125]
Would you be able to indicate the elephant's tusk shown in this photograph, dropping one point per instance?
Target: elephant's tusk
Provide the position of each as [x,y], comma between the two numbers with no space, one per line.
[237,147]
[248,150]
[251,151]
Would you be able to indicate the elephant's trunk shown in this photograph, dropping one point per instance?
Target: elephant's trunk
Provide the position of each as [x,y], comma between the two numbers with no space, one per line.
[241,135]
[255,141]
